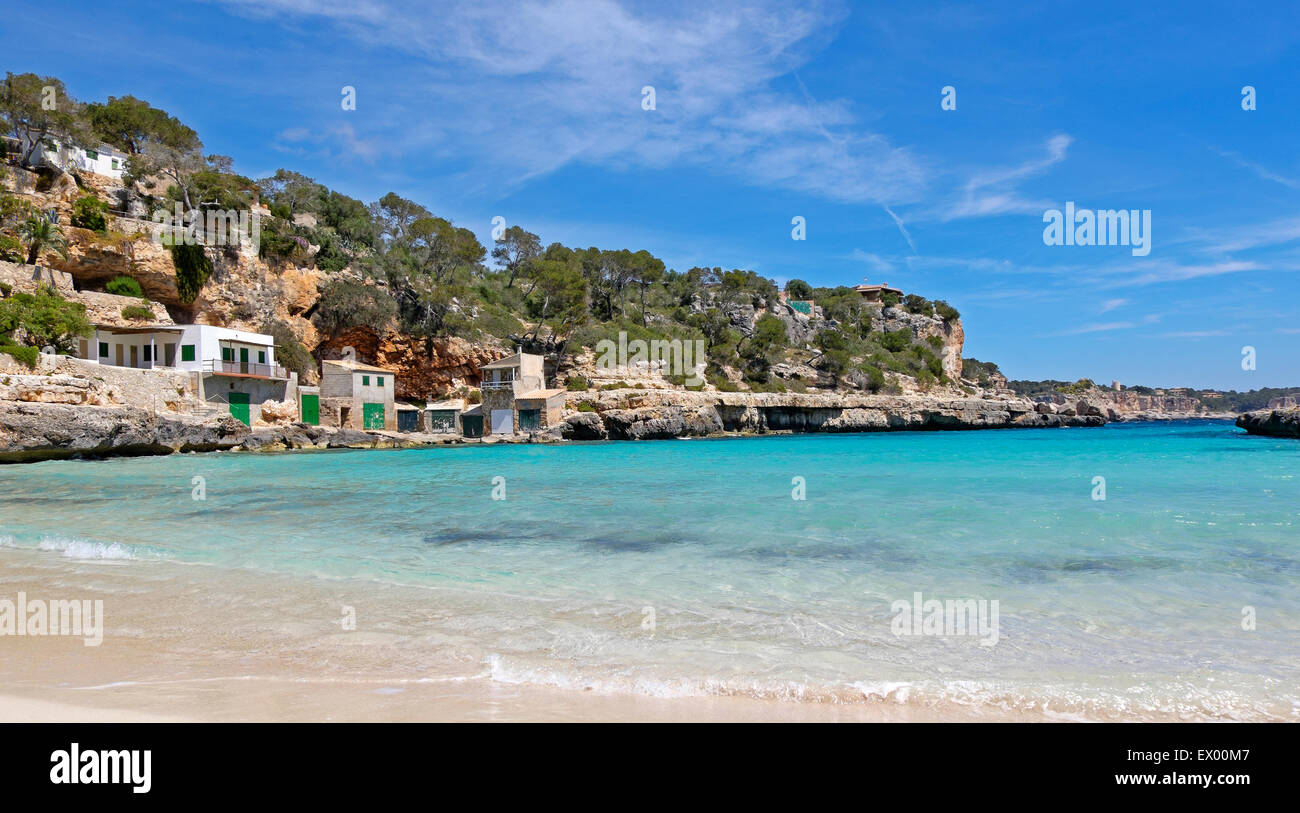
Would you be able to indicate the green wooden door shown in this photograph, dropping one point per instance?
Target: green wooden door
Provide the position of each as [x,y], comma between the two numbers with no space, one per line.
[243,359]
[311,408]
[239,407]
[372,416]
[530,420]
[473,426]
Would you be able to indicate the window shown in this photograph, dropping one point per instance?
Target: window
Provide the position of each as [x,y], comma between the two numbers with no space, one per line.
[187,352]
[148,352]
[92,155]
[380,381]
[227,354]
[261,356]
[365,381]
[114,163]
[103,350]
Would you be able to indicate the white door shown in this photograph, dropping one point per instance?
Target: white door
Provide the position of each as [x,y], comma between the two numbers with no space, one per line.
[503,421]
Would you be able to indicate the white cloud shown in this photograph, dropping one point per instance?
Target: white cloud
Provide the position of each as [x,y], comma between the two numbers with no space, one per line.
[993,192]
[541,85]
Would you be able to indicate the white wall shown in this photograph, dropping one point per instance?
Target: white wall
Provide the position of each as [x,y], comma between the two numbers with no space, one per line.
[207,341]
[69,157]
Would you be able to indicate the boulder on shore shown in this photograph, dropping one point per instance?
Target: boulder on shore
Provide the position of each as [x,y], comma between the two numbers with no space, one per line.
[1282,423]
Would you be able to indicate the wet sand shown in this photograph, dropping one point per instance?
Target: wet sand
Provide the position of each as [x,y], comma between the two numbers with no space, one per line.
[177,647]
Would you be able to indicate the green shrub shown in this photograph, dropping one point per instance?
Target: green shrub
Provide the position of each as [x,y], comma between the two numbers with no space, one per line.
[586,406]
[915,303]
[875,378]
[124,286]
[945,311]
[11,249]
[722,383]
[798,289]
[890,299]
[6,289]
[193,267]
[89,212]
[896,341]
[935,342]
[137,312]
[290,353]
[25,356]
[345,305]
[578,384]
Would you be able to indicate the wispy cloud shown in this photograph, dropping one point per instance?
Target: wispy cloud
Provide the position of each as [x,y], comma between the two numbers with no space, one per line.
[875,262]
[1261,170]
[993,192]
[1106,327]
[542,85]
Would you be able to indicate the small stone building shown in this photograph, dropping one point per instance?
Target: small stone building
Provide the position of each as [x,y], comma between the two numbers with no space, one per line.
[443,417]
[357,396]
[515,398]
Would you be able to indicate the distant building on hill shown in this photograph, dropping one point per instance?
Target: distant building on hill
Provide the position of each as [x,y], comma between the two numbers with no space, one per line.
[101,160]
[876,293]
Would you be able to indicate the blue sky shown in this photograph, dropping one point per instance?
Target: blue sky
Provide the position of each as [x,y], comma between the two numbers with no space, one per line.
[828,111]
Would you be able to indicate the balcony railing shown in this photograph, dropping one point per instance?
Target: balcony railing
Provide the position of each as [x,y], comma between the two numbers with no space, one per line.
[247,368]
[497,385]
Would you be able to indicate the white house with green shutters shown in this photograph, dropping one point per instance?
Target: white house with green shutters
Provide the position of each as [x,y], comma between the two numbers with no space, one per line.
[234,369]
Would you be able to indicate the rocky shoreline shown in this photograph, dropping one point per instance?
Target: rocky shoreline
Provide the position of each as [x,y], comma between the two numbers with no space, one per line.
[1281,423]
[35,431]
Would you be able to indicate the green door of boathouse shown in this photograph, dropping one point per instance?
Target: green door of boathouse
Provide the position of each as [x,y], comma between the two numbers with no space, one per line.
[239,407]
[473,425]
[310,408]
[530,420]
[372,416]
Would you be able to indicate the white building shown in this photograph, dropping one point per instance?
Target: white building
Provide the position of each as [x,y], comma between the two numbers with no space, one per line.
[102,160]
[234,368]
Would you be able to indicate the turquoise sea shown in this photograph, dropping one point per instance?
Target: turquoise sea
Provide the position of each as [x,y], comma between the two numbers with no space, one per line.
[688,567]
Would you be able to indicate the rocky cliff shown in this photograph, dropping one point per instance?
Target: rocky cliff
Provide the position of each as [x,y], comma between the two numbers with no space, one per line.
[1123,405]
[1284,423]
[655,414]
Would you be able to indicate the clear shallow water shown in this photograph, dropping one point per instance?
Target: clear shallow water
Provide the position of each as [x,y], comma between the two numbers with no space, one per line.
[1128,607]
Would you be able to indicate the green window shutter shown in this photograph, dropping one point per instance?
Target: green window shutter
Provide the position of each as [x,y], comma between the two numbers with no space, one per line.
[103,350]
[226,354]
[380,381]
[92,155]
[187,352]
[148,351]
[261,356]
[365,381]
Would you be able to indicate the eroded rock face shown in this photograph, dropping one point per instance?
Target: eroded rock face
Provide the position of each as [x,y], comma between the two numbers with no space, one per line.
[643,415]
[1283,423]
[40,431]
[1123,405]
[452,362]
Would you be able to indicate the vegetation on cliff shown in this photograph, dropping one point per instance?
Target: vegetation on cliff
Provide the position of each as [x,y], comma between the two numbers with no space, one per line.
[394,266]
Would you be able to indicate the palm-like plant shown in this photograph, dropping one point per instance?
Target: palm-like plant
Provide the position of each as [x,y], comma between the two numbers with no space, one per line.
[42,233]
